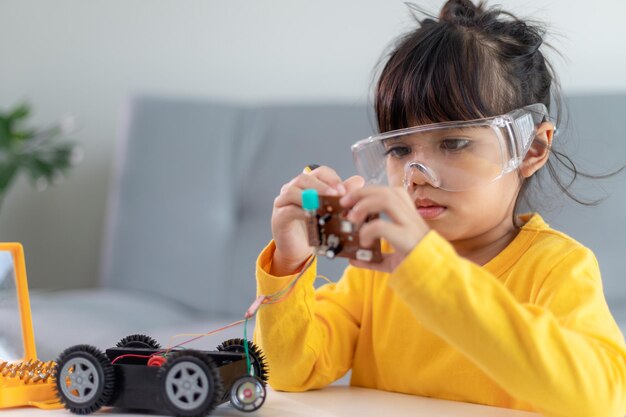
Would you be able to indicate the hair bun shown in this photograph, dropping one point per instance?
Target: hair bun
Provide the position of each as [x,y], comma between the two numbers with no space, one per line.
[460,11]
[524,39]
[529,37]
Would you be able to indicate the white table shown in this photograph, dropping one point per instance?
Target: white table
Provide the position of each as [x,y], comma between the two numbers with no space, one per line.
[333,401]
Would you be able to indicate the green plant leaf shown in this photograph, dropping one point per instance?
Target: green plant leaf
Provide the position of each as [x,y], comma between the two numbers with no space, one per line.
[23,135]
[41,153]
[7,173]
[5,132]
[37,168]
[20,112]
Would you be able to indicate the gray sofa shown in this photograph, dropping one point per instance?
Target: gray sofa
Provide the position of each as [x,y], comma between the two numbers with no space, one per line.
[191,202]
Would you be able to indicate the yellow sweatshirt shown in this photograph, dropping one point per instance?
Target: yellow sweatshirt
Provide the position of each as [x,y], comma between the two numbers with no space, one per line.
[529,330]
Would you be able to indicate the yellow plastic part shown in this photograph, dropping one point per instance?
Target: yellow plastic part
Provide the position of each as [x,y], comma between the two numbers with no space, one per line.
[28,382]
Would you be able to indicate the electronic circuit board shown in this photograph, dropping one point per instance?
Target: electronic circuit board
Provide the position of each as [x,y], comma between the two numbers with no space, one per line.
[334,236]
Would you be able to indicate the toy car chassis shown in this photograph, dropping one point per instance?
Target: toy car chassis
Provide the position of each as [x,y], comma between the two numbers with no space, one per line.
[184,382]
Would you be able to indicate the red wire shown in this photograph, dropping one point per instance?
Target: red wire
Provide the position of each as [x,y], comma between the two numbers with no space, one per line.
[129,355]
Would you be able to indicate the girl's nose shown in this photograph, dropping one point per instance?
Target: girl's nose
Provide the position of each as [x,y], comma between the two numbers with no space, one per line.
[416,173]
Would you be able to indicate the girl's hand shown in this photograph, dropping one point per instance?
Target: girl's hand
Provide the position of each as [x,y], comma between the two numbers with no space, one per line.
[404,228]
[289,219]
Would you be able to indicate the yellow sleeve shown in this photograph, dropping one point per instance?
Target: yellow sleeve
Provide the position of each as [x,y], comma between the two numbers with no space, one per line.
[562,353]
[309,338]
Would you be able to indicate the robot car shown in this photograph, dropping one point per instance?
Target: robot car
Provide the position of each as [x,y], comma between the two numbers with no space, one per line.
[138,374]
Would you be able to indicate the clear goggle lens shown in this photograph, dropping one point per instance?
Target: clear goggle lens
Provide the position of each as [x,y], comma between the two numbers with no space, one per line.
[453,156]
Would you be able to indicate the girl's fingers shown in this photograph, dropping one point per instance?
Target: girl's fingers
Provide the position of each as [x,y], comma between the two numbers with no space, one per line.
[403,228]
[290,196]
[290,211]
[356,194]
[328,176]
[291,193]
[320,179]
[354,183]
[323,179]
[381,229]
[373,230]
[381,200]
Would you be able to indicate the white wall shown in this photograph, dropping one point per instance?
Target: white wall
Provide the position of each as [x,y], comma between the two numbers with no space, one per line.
[87,57]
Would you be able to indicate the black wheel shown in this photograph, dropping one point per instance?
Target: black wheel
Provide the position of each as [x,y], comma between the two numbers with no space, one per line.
[248,394]
[257,360]
[85,380]
[190,383]
[138,341]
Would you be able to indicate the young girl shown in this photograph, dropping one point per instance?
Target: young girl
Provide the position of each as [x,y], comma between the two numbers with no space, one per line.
[472,303]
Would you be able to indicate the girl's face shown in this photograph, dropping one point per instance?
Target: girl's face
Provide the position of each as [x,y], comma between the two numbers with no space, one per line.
[463,215]
[484,209]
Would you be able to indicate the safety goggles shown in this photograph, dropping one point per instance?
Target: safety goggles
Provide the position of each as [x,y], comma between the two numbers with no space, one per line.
[453,156]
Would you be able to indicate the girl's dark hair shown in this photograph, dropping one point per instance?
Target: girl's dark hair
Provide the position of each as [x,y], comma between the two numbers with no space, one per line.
[470,62]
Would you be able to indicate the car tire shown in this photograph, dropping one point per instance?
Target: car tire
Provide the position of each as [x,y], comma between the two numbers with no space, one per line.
[85,379]
[257,359]
[138,341]
[190,383]
[248,394]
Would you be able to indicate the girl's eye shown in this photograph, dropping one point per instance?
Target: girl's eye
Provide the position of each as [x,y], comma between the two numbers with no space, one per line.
[454,144]
[398,151]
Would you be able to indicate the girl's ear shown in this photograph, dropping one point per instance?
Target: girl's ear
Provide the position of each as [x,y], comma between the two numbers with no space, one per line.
[539,151]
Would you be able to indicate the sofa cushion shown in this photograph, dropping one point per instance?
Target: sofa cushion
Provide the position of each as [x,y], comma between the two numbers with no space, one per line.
[193,192]
[172,206]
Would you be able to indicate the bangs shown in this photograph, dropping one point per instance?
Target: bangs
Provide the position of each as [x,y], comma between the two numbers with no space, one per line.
[441,73]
